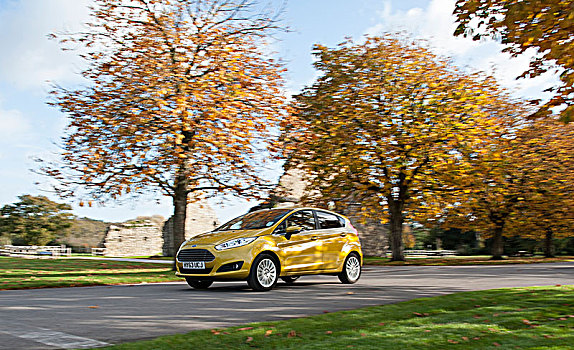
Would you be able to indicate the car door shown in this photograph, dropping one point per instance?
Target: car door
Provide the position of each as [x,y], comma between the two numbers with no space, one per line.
[332,234]
[302,251]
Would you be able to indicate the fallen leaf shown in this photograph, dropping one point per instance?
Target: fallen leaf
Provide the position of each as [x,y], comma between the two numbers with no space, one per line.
[381,323]
[492,329]
[245,328]
[464,338]
[477,316]
[248,339]
[558,285]
[476,305]
[292,334]
[427,330]
[268,332]
[214,332]
[325,311]
[94,307]
[495,344]
[547,336]
[562,318]
[452,341]
[349,293]
[525,321]
[363,334]
[476,338]
[329,332]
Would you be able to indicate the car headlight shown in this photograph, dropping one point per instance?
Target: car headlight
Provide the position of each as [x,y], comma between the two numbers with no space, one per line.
[234,243]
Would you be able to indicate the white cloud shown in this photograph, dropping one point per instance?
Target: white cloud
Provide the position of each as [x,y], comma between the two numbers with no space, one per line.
[28,58]
[436,24]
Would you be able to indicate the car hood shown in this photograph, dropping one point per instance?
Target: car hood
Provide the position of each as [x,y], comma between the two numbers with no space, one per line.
[217,237]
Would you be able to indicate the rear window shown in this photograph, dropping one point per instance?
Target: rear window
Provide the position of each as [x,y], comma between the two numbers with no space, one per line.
[328,220]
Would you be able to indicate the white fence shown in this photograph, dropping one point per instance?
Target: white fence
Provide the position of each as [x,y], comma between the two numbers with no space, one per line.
[34,250]
[426,253]
[98,251]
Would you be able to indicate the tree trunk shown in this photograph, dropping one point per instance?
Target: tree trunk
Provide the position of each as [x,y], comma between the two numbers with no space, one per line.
[497,248]
[179,213]
[396,235]
[549,244]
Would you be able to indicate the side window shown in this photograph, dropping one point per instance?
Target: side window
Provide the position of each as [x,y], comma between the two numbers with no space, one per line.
[281,228]
[303,218]
[327,220]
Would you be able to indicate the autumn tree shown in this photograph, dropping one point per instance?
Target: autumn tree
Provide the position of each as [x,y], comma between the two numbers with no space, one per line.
[383,122]
[544,28]
[34,220]
[181,98]
[546,211]
[520,185]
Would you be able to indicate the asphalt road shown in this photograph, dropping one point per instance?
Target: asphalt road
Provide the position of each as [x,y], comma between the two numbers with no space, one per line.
[95,316]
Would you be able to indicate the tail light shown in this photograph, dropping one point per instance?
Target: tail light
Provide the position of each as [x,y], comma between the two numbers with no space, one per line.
[353,229]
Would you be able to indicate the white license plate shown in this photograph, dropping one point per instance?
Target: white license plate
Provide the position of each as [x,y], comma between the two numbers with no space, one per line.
[194,265]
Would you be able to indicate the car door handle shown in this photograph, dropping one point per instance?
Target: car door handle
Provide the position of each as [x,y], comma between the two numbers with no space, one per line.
[314,238]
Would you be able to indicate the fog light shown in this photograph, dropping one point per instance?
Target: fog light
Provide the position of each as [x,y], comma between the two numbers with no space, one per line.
[234,266]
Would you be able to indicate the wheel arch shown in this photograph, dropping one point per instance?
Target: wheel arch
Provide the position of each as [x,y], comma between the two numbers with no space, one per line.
[274,256]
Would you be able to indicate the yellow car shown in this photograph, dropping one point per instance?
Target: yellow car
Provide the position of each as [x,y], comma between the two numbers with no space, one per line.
[265,245]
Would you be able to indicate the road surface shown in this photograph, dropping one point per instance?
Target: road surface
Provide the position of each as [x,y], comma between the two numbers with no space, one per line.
[88,317]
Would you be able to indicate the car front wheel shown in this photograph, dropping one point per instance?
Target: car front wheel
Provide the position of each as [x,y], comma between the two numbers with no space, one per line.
[198,284]
[264,273]
[351,269]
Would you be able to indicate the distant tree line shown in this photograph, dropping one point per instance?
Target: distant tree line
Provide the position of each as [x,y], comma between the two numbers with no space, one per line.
[37,220]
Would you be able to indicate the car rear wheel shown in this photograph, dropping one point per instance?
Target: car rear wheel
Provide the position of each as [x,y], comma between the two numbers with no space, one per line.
[264,273]
[198,284]
[290,279]
[351,269]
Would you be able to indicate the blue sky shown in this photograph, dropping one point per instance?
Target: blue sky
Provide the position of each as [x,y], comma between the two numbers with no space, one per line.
[28,60]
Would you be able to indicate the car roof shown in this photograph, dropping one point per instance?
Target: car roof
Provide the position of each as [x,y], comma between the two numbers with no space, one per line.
[297,208]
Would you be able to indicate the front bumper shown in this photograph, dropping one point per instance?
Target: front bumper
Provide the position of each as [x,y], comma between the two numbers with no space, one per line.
[242,255]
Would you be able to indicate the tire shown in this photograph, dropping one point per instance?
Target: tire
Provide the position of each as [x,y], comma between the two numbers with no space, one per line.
[198,284]
[290,279]
[264,273]
[351,269]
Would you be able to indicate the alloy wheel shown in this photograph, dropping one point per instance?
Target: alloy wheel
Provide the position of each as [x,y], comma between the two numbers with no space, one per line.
[266,273]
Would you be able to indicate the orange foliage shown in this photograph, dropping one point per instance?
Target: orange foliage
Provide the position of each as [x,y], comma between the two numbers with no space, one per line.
[181,98]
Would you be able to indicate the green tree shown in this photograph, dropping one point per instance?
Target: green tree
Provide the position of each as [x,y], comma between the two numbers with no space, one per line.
[383,123]
[34,220]
[543,27]
[182,100]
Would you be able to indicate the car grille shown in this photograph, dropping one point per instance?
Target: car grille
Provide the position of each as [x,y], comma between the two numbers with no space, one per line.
[195,255]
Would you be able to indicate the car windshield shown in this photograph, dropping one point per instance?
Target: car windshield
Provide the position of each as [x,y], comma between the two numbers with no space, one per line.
[255,220]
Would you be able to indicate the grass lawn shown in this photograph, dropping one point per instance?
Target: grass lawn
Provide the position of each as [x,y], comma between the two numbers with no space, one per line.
[463,260]
[517,318]
[22,273]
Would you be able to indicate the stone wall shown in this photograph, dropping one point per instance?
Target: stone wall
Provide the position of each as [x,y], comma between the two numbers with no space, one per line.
[200,218]
[141,236]
[152,235]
